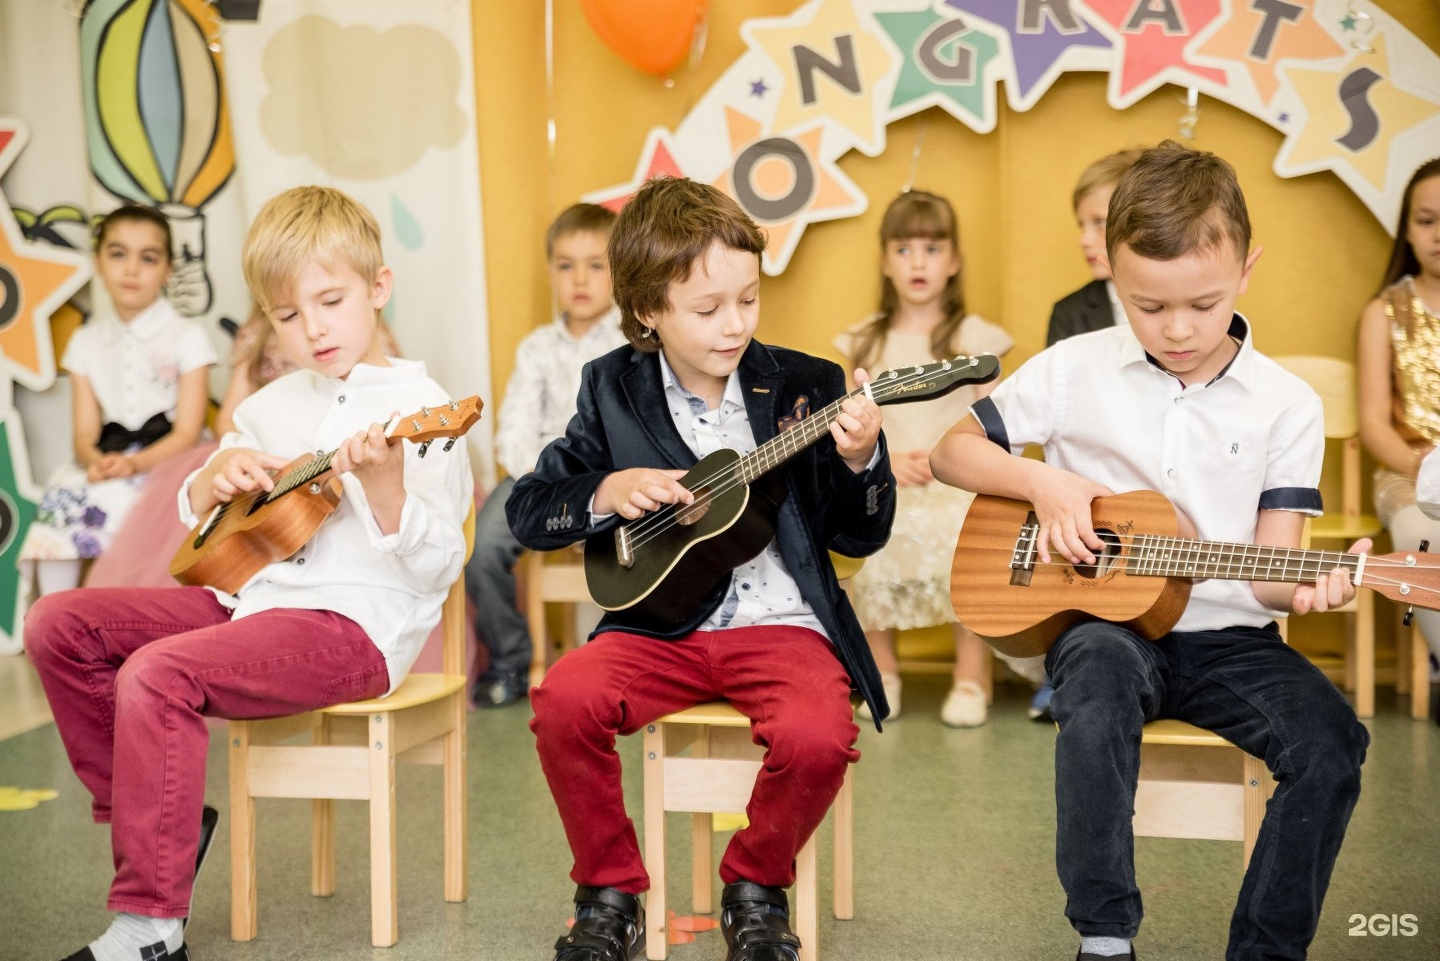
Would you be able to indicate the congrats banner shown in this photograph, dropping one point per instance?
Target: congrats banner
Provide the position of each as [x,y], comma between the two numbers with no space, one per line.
[1350,88]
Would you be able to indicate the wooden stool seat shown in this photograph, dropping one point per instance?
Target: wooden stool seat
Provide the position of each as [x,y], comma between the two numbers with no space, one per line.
[718,776]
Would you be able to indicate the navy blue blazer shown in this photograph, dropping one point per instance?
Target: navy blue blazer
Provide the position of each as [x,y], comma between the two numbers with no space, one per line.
[1085,310]
[623,421]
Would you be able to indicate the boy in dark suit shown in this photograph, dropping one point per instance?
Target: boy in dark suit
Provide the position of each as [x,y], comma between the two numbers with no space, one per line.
[776,638]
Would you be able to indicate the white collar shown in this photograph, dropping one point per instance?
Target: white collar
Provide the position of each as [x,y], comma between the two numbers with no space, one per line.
[146,325]
[364,375]
[1241,368]
[610,320]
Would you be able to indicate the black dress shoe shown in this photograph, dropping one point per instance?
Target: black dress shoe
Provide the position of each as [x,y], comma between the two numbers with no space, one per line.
[609,926]
[755,920]
[209,818]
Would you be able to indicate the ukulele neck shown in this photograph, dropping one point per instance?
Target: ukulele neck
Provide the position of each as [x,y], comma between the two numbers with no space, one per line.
[1154,555]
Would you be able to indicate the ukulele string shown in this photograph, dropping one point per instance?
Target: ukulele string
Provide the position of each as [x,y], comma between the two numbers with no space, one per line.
[647,529]
[1373,563]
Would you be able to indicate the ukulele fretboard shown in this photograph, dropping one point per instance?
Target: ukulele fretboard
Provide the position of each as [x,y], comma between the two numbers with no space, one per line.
[1178,557]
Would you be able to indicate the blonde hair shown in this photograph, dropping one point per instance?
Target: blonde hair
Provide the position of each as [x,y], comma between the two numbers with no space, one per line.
[1105,172]
[915,215]
[306,225]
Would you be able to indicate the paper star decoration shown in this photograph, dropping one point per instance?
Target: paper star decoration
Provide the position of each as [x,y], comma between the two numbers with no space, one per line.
[657,158]
[1261,33]
[1153,35]
[945,64]
[1045,39]
[832,65]
[1353,116]
[781,181]
[35,279]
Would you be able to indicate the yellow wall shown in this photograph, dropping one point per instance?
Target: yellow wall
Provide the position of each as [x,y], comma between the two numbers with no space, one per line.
[1324,251]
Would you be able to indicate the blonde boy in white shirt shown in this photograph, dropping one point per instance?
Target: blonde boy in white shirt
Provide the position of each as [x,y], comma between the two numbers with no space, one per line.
[341,620]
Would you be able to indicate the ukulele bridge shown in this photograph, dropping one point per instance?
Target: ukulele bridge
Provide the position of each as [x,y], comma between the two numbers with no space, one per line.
[1022,560]
[624,551]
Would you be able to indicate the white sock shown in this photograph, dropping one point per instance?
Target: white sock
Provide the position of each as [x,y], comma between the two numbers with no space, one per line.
[131,934]
[53,576]
[1106,947]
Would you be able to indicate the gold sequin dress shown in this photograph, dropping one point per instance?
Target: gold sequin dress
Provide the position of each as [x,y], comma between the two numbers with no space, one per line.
[1415,349]
[906,584]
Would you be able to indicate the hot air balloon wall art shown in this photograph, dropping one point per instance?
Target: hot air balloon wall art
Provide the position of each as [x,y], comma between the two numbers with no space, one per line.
[156,120]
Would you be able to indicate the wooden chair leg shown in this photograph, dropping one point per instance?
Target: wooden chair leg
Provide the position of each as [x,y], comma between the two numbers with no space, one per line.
[1365,654]
[532,565]
[845,848]
[656,921]
[322,830]
[384,876]
[1352,633]
[1256,792]
[1419,675]
[456,795]
[806,912]
[243,920]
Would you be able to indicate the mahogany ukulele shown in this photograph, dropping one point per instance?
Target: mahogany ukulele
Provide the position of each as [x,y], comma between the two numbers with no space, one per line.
[665,563]
[1142,578]
[239,537]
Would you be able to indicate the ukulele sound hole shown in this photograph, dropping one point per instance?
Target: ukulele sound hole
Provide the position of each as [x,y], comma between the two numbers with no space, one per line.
[690,513]
[1106,561]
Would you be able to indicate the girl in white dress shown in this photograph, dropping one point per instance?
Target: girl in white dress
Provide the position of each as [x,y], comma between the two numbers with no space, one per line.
[921,318]
[138,380]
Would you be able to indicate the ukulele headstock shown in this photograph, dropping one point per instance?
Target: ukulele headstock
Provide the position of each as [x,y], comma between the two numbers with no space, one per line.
[926,381]
[451,420]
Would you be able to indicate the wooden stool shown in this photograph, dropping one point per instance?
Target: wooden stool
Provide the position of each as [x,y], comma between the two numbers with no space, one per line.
[551,583]
[1196,784]
[718,777]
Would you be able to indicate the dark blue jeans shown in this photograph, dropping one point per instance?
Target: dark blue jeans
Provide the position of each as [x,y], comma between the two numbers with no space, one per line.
[490,583]
[1244,684]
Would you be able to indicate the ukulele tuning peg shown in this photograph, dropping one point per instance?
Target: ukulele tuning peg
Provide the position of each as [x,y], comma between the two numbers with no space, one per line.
[454,405]
[1409,615]
[945,366]
[425,411]
[424,446]
[1424,547]
[448,444]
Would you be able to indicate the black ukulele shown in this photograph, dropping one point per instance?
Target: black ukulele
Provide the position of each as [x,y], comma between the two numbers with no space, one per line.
[665,563]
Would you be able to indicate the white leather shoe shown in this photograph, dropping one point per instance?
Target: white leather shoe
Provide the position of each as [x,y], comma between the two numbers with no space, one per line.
[965,707]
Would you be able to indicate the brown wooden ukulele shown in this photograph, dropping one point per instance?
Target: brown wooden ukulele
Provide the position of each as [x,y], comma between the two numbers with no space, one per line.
[239,537]
[1142,578]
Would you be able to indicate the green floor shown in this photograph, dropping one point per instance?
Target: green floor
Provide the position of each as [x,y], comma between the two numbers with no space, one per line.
[954,856]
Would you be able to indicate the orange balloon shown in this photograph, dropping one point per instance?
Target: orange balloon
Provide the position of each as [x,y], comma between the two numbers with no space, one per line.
[652,35]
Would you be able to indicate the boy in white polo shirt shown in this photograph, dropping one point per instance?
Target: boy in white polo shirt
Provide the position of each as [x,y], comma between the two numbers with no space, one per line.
[1178,402]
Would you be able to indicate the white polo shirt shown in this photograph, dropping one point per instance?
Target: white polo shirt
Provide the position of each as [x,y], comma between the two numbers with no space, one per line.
[135,367]
[1251,439]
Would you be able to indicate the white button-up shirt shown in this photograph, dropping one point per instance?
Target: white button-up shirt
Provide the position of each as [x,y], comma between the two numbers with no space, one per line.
[391,585]
[135,367]
[540,397]
[1427,485]
[1252,439]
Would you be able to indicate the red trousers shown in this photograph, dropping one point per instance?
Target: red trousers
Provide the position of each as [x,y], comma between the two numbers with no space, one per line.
[787,680]
[132,673]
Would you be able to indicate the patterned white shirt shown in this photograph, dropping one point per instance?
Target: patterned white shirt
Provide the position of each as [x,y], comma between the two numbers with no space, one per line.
[540,397]
[135,368]
[762,590]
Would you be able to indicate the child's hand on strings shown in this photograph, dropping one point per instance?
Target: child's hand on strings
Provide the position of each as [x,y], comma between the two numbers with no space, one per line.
[857,428]
[1062,504]
[371,457]
[912,468]
[244,471]
[1332,589]
[631,493]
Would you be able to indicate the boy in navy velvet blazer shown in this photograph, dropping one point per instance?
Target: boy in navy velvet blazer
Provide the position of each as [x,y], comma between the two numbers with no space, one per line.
[777,638]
